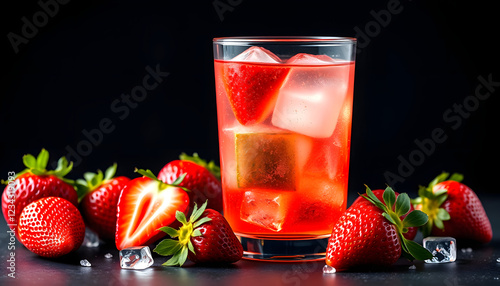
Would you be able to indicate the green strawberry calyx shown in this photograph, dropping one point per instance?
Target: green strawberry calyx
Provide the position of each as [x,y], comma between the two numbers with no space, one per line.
[210,166]
[38,166]
[180,247]
[92,181]
[162,185]
[430,201]
[393,208]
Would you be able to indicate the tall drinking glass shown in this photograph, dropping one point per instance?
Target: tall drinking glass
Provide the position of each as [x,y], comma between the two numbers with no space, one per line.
[284,108]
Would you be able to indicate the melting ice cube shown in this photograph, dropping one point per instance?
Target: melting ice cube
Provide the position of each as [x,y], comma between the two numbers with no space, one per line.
[444,249]
[327,269]
[270,160]
[258,55]
[85,263]
[311,98]
[138,257]
[108,255]
[264,208]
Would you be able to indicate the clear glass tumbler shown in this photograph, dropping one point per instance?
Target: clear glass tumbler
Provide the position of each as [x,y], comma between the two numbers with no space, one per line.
[284,108]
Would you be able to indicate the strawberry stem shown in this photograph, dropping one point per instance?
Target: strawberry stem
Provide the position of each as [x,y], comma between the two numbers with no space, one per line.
[92,181]
[392,209]
[149,174]
[430,201]
[179,248]
[38,166]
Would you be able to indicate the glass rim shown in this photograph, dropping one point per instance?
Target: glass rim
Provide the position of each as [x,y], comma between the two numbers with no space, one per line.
[244,40]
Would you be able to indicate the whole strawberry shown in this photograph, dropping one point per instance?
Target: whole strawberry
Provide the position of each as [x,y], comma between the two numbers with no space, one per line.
[51,227]
[205,238]
[412,231]
[454,210]
[370,232]
[37,182]
[202,179]
[98,194]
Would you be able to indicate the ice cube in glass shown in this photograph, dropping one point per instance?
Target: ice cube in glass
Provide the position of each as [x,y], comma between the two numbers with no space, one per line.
[312,96]
[270,160]
[264,208]
[444,249]
[137,257]
[257,55]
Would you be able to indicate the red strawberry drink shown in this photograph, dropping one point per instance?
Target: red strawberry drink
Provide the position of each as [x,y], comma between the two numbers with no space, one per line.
[284,113]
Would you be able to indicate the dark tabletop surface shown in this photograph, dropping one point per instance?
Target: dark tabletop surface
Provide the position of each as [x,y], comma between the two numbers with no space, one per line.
[476,267]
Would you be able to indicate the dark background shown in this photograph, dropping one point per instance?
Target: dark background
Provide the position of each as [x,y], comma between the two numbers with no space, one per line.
[411,68]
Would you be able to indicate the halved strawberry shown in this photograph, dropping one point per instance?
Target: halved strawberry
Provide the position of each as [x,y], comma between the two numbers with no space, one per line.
[252,88]
[145,205]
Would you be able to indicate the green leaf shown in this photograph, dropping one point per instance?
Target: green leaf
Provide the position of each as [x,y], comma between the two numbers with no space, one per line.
[389,218]
[198,212]
[196,232]
[417,251]
[29,161]
[181,217]
[110,172]
[201,221]
[42,159]
[170,231]
[146,173]
[440,192]
[373,199]
[440,178]
[179,179]
[88,176]
[443,214]
[191,248]
[402,204]
[167,247]
[456,177]
[438,223]
[415,218]
[389,197]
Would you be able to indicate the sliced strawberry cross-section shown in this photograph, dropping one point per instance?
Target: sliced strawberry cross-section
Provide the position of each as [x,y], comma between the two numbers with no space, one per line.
[145,205]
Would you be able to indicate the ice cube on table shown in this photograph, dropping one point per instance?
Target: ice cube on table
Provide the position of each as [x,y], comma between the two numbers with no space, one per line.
[327,269]
[264,208]
[137,257]
[85,263]
[311,97]
[444,249]
[270,160]
[257,55]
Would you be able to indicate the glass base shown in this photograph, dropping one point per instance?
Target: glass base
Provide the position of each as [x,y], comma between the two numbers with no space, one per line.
[294,250]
